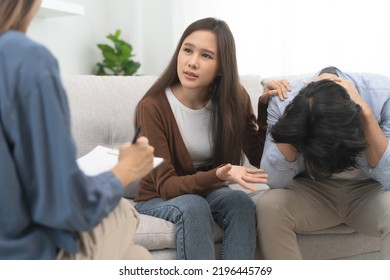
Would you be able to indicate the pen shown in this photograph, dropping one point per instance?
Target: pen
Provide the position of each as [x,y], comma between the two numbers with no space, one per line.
[136,134]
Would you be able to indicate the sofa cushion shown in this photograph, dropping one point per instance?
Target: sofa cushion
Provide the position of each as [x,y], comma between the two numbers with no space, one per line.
[156,234]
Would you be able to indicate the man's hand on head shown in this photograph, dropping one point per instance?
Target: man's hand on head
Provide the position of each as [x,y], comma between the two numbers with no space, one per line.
[327,76]
[352,91]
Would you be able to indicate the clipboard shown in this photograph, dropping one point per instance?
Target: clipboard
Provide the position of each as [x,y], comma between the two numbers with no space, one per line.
[102,159]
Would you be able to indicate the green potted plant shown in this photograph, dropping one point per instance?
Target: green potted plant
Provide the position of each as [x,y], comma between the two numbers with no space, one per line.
[117,60]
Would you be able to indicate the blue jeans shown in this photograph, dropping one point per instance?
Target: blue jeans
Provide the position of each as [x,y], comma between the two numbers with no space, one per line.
[195,217]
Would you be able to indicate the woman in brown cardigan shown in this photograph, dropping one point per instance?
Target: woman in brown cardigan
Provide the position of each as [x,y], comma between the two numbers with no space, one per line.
[199,119]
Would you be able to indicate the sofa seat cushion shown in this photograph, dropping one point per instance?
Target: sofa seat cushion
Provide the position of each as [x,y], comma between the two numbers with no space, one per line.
[157,234]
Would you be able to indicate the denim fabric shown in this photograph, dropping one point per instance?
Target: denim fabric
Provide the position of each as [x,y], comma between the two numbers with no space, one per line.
[196,217]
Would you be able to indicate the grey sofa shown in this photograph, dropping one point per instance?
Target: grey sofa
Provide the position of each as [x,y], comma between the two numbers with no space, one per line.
[102,111]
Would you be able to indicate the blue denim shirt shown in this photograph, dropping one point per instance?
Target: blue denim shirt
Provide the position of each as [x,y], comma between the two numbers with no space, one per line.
[44,197]
[374,89]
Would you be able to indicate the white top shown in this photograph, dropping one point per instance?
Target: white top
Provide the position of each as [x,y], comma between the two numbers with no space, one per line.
[194,126]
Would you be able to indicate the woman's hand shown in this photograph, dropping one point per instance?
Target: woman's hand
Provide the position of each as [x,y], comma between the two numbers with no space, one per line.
[272,88]
[242,175]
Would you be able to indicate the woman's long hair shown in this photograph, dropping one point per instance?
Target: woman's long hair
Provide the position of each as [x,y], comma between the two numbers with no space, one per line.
[228,110]
[13,13]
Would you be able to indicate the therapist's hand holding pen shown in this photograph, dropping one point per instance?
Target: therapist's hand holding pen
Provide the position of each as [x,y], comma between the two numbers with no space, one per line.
[136,134]
[135,160]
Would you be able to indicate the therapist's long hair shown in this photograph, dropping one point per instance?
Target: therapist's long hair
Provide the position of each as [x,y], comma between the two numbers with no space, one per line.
[13,13]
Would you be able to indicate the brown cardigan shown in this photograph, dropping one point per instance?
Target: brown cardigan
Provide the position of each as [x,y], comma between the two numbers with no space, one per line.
[177,175]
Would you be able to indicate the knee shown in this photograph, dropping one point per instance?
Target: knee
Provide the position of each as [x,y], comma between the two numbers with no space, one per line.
[382,208]
[271,202]
[194,206]
[384,221]
[239,205]
[240,200]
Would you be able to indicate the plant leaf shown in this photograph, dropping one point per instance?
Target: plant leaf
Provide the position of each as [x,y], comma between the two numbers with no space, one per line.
[117,60]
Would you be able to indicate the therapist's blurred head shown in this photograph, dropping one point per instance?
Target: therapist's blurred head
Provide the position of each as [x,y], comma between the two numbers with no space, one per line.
[17,14]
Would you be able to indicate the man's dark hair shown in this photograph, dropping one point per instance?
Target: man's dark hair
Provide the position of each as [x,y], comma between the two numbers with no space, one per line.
[323,123]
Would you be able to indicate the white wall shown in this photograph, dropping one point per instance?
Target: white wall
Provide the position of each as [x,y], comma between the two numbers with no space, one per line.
[73,39]
[147,25]
[276,37]
[273,37]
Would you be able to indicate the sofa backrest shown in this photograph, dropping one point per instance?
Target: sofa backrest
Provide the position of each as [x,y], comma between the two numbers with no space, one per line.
[102,107]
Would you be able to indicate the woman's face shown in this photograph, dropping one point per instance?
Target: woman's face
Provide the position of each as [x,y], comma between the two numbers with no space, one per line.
[197,62]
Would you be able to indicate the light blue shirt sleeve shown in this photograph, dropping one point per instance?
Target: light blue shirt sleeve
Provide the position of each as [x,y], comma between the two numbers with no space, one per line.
[280,171]
[60,195]
[375,90]
[382,171]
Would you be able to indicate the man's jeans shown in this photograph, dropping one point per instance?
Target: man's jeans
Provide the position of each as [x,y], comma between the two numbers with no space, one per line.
[195,217]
